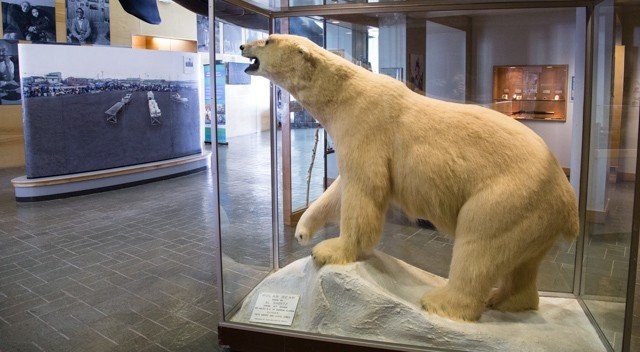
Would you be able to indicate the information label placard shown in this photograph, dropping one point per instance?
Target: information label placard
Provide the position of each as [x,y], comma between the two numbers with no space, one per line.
[274,308]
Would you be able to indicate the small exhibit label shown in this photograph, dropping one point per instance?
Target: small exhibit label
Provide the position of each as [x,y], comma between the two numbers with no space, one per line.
[274,308]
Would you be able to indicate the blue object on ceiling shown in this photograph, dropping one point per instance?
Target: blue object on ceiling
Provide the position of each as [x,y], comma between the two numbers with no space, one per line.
[146,10]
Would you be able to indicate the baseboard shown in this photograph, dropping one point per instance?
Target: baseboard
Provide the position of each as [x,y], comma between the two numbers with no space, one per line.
[47,188]
[598,216]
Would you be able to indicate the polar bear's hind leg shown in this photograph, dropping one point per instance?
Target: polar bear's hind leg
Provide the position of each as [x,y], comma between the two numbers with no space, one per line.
[471,277]
[517,290]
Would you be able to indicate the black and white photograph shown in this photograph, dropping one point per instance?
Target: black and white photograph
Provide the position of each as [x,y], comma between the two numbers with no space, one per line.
[417,71]
[88,22]
[9,73]
[202,23]
[232,38]
[93,115]
[32,20]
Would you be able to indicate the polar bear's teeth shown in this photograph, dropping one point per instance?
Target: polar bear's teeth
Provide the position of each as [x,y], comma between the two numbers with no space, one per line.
[255,64]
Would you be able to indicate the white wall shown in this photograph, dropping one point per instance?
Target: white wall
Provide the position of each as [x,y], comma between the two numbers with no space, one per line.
[578,107]
[247,106]
[547,37]
[445,66]
[392,43]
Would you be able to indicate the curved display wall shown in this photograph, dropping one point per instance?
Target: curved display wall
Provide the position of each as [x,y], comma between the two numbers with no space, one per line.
[113,107]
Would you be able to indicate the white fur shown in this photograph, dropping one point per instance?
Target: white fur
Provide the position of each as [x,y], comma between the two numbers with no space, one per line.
[476,174]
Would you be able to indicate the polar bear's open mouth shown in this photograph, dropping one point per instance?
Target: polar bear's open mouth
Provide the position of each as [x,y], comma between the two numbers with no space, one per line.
[255,64]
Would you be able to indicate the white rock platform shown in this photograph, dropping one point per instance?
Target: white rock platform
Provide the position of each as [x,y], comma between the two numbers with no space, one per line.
[378,299]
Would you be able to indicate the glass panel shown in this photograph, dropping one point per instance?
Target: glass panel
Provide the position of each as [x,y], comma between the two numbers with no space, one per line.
[437,41]
[612,166]
[404,45]
[302,148]
[446,69]
[307,161]
[244,164]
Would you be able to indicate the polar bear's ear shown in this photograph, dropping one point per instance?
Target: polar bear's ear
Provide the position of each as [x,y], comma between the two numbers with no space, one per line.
[307,56]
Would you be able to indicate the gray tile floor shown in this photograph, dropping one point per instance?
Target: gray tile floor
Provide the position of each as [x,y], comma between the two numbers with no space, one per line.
[133,269]
[126,270]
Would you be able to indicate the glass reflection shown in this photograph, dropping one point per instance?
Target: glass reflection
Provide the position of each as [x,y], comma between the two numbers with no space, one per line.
[432,53]
[244,163]
[612,166]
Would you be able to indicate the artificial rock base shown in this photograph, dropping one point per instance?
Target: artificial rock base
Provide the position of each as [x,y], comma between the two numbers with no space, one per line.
[378,298]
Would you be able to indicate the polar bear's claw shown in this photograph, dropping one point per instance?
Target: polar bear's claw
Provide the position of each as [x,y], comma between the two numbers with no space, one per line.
[302,237]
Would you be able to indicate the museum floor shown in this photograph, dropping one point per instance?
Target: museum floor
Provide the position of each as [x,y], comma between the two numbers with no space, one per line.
[133,269]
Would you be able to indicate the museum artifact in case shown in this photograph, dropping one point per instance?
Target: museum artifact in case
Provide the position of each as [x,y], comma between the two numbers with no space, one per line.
[537,92]
[273,297]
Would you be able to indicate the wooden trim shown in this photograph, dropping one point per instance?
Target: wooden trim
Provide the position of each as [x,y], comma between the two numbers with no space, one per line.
[627,176]
[287,188]
[296,215]
[255,341]
[23,182]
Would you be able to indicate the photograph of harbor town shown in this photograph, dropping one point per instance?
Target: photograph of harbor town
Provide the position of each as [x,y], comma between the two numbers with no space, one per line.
[93,118]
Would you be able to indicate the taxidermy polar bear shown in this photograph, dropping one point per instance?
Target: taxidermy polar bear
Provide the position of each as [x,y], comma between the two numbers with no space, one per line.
[476,174]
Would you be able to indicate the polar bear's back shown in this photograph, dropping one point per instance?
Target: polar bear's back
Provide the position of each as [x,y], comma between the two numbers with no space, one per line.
[485,138]
[455,151]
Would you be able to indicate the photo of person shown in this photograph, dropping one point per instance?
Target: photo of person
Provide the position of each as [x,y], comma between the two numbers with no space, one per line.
[41,27]
[29,20]
[9,73]
[417,72]
[79,28]
[88,22]
[202,23]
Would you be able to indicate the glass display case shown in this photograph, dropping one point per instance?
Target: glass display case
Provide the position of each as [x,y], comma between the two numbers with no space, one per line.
[272,297]
[531,92]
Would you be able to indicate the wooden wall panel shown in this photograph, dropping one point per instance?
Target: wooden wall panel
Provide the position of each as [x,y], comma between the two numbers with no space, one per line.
[177,23]
[11,136]
[61,21]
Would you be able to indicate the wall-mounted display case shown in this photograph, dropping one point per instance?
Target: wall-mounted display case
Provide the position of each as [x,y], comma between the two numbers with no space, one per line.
[533,92]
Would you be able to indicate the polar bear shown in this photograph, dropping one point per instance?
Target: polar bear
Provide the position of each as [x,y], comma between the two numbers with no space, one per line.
[476,174]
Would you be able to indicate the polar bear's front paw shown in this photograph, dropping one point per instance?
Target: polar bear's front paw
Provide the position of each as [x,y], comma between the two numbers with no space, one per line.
[332,251]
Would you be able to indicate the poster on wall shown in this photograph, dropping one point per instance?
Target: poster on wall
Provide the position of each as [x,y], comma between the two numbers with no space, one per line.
[202,24]
[208,113]
[9,73]
[232,37]
[88,22]
[89,115]
[221,118]
[32,20]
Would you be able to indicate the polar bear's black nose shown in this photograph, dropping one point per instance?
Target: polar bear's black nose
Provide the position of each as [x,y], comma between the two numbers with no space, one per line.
[241,47]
